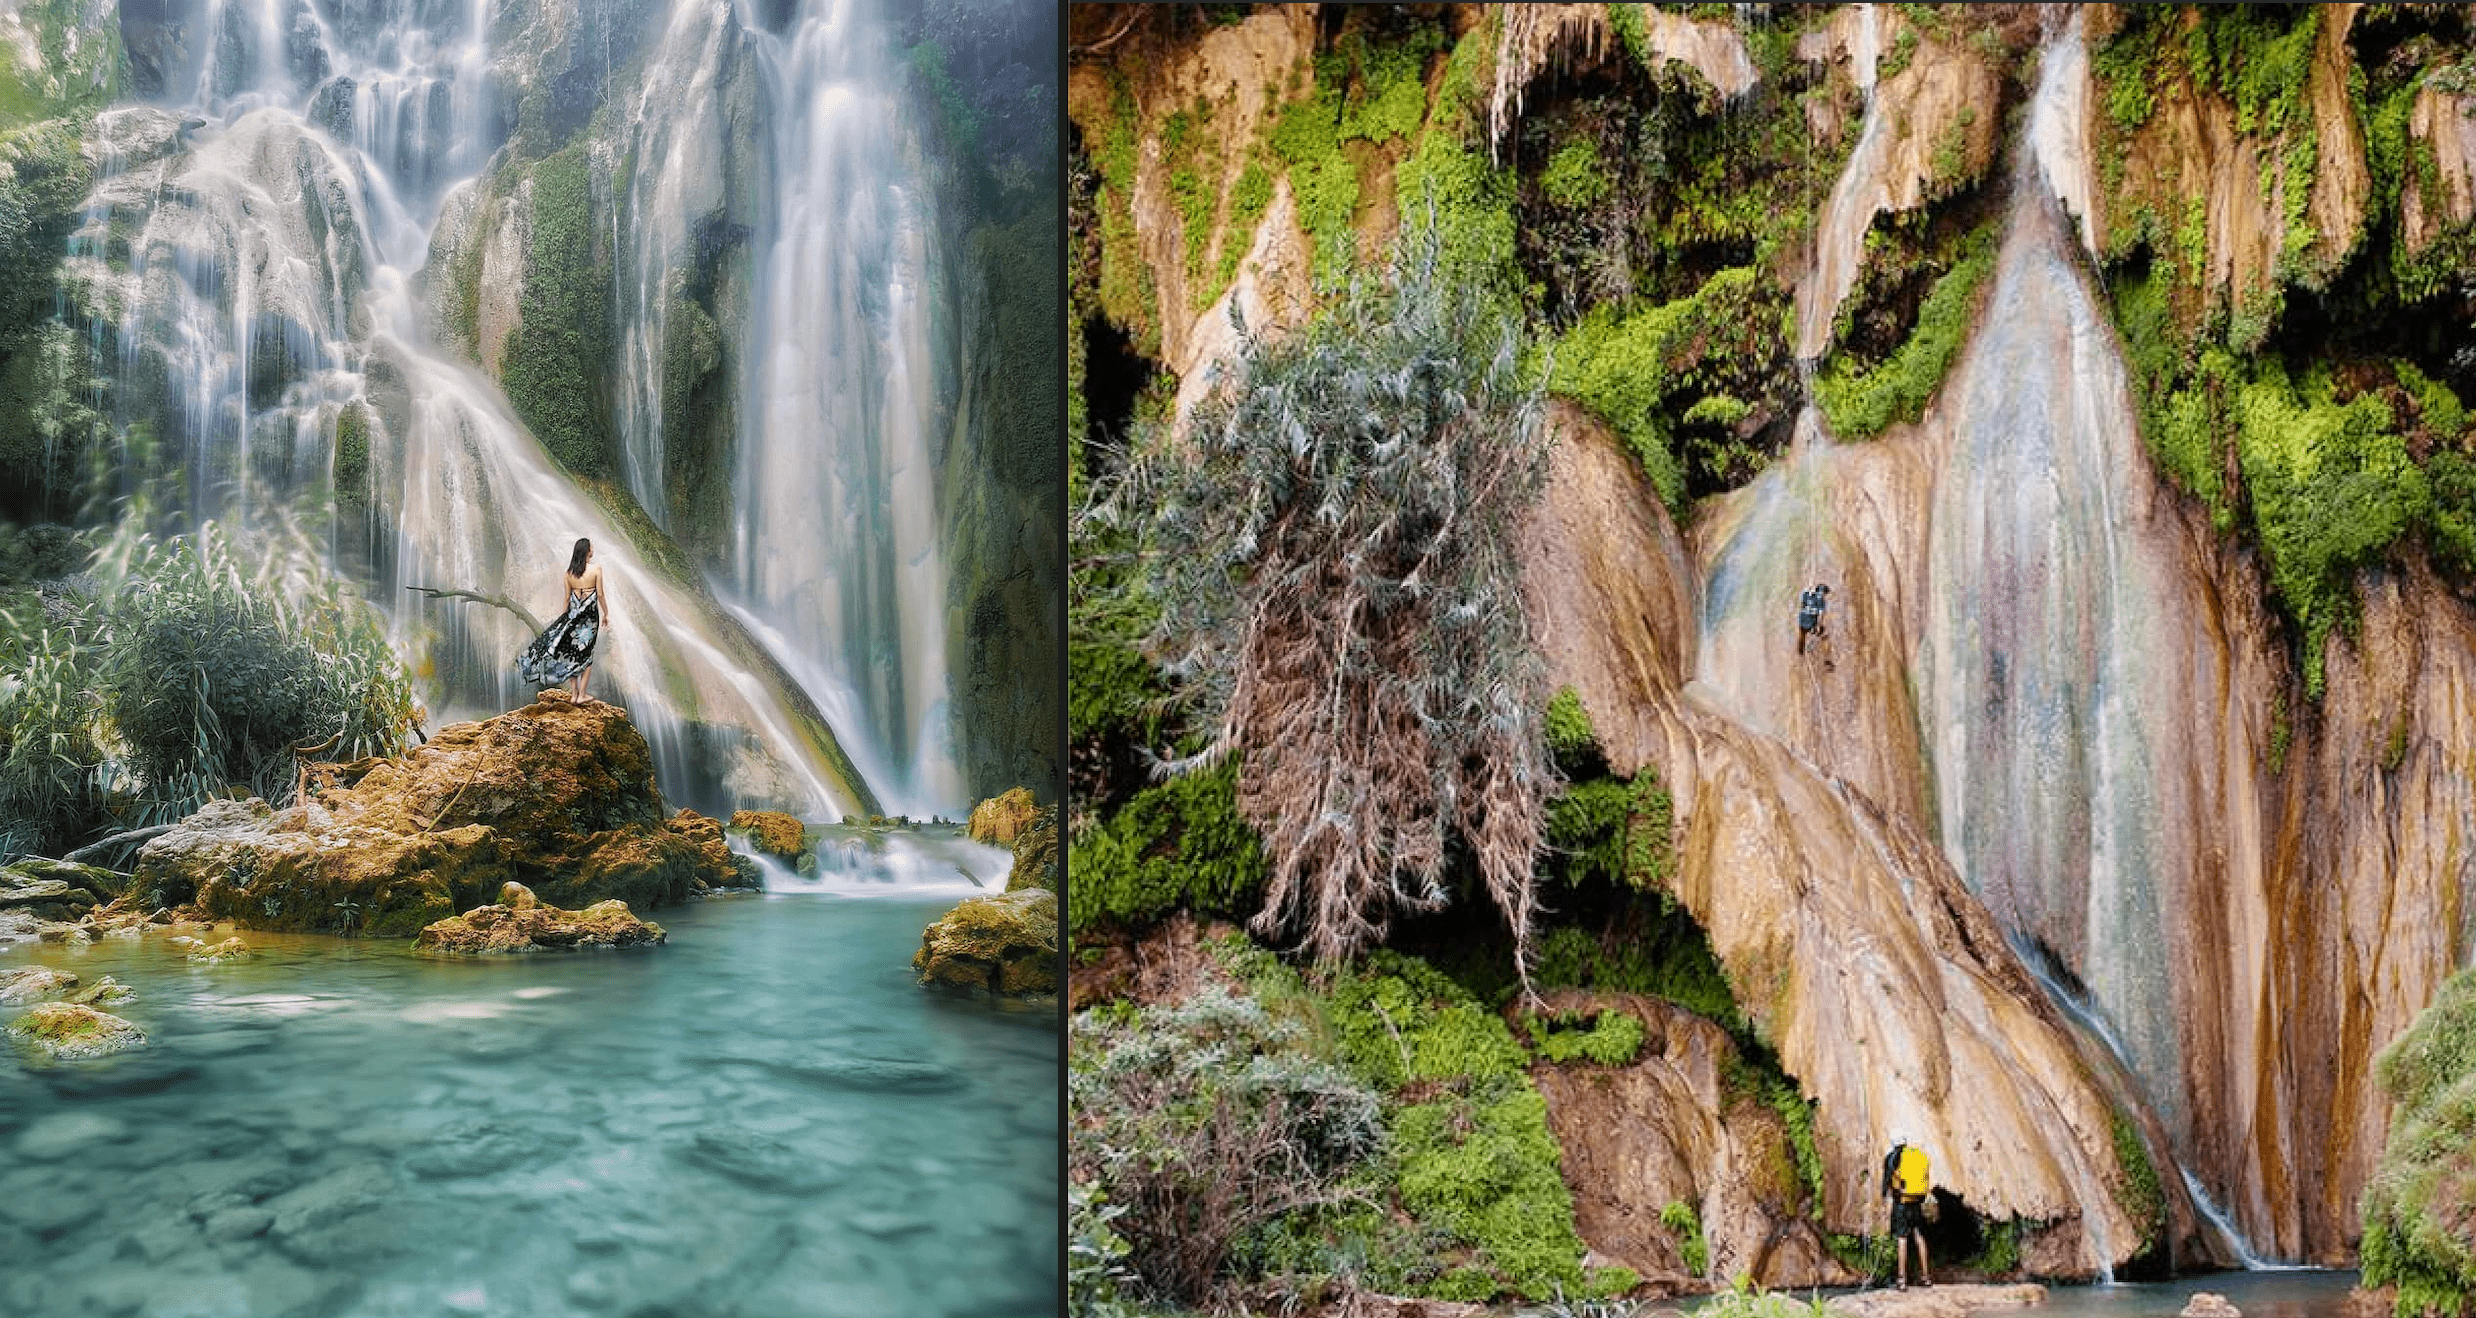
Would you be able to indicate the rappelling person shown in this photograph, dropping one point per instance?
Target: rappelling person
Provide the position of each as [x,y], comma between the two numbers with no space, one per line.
[1905,1183]
[1810,614]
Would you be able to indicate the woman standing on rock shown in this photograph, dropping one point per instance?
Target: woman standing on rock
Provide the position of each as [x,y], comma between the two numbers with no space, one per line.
[564,650]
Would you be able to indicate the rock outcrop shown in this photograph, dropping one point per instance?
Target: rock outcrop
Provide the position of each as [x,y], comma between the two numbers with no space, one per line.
[997,820]
[771,833]
[67,1032]
[1036,854]
[33,984]
[1668,1128]
[535,928]
[1006,944]
[1936,1301]
[557,796]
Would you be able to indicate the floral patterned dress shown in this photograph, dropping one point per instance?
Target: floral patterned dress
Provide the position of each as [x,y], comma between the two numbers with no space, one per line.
[566,646]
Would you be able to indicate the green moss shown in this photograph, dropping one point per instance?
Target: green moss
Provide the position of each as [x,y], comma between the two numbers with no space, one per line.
[1180,845]
[1472,1160]
[1755,1075]
[1615,831]
[1671,960]
[556,362]
[1861,404]
[1607,1038]
[2136,1181]
[352,456]
[1646,373]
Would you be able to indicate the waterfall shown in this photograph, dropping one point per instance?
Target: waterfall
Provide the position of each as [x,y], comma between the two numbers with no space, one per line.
[833,554]
[1862,190]
[2044,615]
[256,254]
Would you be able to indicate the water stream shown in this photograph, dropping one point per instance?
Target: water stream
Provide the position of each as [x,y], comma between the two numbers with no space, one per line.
[259,247]
[765,1116]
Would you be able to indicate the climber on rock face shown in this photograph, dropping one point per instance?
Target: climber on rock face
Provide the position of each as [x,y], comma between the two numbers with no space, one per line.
[1905,1183]
[1810,614]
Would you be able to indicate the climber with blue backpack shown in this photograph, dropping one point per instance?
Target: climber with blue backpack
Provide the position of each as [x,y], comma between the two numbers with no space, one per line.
[1905,1183]
[1810,614]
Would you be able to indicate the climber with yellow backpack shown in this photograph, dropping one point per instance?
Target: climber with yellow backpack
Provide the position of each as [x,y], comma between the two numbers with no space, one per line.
[1905,1183]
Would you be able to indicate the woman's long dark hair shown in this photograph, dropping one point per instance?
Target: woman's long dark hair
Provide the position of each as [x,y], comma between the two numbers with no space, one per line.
[576,561]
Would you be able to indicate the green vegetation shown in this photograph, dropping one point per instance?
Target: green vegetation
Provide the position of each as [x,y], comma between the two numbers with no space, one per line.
[2137,1179]
[1860,403]
[1370,95]
[1692,1247]
[1615,830]
[1652,374]
[190,670]
[1180,845]
[1575,175]
[556,362]
[1607,1038]
[2423,1190]
[1569,731]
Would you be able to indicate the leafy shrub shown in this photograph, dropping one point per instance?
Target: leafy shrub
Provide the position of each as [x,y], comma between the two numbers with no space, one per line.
[1610,1038]
[1652,371]
[1569,730]
[1182,844]
[1616,830]
[1206,1123]
[1332,555]
[182,670]
[1861,404]
[2423,1189]
[1095,1255]
[1692,1246]
[1472,1160]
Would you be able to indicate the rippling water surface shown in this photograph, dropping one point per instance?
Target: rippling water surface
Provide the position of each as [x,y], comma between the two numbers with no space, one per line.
[764,1117]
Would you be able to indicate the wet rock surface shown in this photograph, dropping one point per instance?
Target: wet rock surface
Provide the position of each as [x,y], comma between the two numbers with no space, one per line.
[1006,944]
[493,929]
[1935,1301]
[997,820]
[67,1032]
[557,796]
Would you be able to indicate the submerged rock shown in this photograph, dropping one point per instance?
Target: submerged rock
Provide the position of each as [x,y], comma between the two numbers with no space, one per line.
[1006,944]
[106,989]
[33,983]
[557,796]
[230,949]
[68,1032]
[997,820]
[489,929]
[1936,1301]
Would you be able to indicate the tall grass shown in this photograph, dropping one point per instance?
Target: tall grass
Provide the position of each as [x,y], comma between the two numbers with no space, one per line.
[173,671]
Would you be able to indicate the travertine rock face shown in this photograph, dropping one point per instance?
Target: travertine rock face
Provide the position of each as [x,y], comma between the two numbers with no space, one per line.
[491,929]
[1666,1129]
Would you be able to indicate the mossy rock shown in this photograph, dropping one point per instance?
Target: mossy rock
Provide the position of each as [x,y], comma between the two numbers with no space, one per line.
[489,930]
[1006,944]
[997,820]
[67,1032]
[772,832]
[1036,854]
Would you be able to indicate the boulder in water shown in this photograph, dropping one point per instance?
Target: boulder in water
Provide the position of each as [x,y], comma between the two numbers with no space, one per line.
[106,989]
[2209,1304]
[772,833]
[1006,944]
[997,820]
[489,929]
[517,897]
[33,983]
[557,796]
[230,949]
[67,1032]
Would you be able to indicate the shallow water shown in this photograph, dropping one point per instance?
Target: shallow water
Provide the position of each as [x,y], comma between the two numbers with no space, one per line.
[2270,1293]
[764,1117]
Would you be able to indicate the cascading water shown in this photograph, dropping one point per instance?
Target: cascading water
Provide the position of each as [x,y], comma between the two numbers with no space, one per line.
[1840,235]
[2042,619]
[257,256]
[833,556]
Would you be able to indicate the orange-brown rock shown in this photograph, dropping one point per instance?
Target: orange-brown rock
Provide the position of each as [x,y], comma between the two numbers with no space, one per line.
[772,832]
[490,929]
[1036,853]
[997,820]
[1006,944]
[1667,1128]
[557,796]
